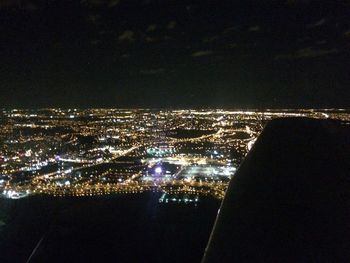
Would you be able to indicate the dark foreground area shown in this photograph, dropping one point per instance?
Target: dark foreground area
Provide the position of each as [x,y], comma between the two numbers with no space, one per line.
[115,228]
[290,199]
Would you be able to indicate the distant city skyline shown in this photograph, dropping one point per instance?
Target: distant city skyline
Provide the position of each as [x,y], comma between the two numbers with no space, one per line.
[175,54]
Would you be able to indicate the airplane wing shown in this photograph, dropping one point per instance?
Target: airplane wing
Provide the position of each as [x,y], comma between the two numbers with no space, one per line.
[290,198]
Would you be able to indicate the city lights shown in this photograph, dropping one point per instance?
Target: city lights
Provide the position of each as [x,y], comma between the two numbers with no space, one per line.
[112,151]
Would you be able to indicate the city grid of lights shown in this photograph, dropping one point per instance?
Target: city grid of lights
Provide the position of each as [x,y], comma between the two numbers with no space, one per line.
[181,153]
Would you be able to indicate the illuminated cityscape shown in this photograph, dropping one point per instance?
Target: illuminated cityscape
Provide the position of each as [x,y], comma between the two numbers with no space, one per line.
[182,153]
[128,126]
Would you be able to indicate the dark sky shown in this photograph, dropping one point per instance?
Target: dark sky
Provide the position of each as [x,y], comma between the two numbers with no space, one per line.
[153,53]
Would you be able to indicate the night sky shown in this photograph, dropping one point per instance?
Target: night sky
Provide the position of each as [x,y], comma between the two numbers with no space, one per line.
[155,54]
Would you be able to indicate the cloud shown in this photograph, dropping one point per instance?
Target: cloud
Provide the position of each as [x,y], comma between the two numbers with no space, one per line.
[94,19]
[347,33]
[18,4]
[152,71]
[92,2]
[95,42]
[100,3]
[29,7]
[113,3]
[210,39]
[202,53]
[295,2]
[310,52]
[321,42]
[127,35]
[317,23]
[9,3]
[151,39]
[151,28]
[231,28]
[171,25]
[232,45]
[2,223]
[254,28]
[307,53]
